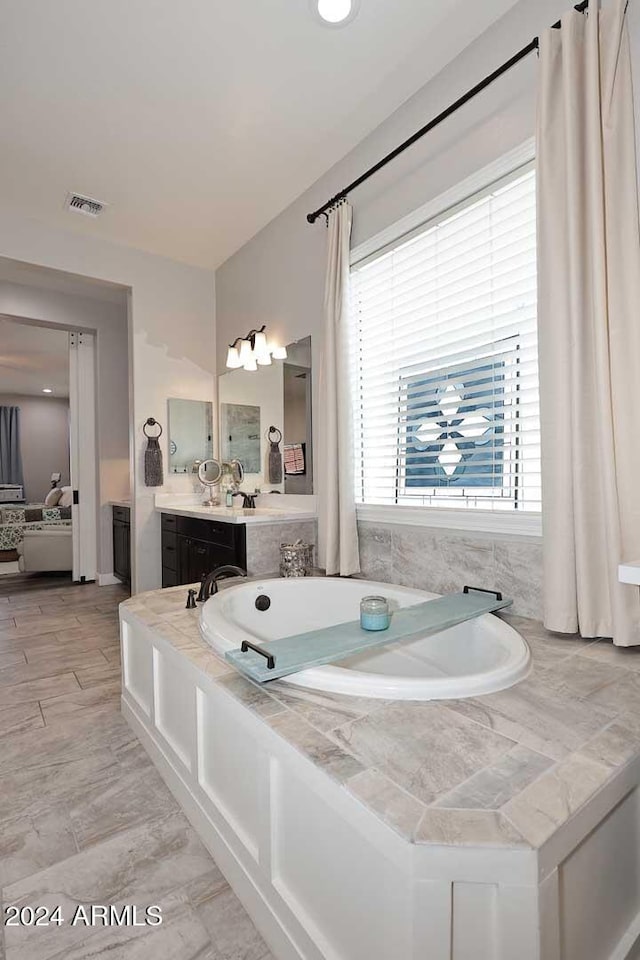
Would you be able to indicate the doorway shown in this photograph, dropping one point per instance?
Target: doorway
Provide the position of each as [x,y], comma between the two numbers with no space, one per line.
[48,461]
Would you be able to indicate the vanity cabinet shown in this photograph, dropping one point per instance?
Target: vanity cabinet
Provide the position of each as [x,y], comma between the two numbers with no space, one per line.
[192,548]
[122,544]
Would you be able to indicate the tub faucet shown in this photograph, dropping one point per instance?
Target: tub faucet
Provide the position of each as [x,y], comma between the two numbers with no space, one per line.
[209,585]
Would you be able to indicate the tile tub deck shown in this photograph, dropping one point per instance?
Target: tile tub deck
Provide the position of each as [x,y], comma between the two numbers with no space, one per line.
[505,770]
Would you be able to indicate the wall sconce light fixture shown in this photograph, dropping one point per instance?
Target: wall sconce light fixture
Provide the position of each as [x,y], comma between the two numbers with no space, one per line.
[254,350]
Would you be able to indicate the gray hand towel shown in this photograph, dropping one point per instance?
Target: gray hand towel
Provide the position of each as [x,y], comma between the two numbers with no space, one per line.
[275,459]
[153,473]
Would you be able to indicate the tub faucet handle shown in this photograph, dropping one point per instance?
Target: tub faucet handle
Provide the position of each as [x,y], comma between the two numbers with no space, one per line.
[191,600]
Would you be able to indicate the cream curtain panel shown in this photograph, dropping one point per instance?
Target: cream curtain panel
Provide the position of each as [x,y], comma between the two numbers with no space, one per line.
[338,531]
[589,325]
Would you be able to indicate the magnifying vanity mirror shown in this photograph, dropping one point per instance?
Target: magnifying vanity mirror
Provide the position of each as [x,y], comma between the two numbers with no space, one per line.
[265,421]
[209,474]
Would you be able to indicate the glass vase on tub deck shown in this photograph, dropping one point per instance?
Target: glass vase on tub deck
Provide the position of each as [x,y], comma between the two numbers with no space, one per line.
[296,559]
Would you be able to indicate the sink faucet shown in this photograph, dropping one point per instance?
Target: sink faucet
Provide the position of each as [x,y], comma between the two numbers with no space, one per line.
[248,500]
[209,584]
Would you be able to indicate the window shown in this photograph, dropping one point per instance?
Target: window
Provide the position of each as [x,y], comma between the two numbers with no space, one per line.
[443,354]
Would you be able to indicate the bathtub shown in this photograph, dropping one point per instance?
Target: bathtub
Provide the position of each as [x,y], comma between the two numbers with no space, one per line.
[473,658]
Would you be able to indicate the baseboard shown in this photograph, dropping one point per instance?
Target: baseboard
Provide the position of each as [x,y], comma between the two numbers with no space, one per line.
[628,947]
[107,580]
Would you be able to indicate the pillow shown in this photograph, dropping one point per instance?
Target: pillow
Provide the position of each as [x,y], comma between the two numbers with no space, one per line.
[53,497]
[67,497]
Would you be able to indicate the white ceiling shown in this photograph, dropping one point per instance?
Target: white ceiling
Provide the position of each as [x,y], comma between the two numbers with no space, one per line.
[200,120]
[31,358]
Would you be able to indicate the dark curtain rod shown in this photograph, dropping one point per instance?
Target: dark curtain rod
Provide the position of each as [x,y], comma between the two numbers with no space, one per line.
[479,87]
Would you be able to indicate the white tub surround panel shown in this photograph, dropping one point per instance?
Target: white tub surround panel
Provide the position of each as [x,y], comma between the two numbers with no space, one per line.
[356,829]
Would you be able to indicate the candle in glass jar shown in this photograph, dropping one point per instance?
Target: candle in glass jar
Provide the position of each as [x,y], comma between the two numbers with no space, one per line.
[374,613]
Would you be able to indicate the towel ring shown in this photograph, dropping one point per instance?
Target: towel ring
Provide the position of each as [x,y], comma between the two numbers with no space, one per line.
[150,422]
[274,430]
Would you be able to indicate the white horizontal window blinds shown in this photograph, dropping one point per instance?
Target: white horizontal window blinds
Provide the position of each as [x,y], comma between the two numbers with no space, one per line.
[443,353]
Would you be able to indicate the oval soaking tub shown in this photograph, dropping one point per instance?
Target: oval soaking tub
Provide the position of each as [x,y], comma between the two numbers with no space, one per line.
[472,658]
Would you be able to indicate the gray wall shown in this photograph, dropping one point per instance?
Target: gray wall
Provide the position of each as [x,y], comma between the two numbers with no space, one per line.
[44,427]
[443,561]
[109,320]
[278,277]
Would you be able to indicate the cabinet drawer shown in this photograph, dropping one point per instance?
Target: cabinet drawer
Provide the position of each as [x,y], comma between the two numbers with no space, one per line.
[169,522]
[170,554]
[211,531]
[123,514]
[169,578]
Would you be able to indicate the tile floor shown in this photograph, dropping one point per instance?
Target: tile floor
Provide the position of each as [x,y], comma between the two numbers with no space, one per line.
[84,817]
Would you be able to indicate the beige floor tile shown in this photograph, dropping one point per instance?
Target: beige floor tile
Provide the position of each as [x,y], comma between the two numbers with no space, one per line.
[139,866]
[18,717]
[49,666]
[30,624]
[232,933]
[80,634]
[11,658]
[10,641]
[36,790]
[29,844]
[111,808]
[94,675]
[181,936]
[40,689]
[102,694]
[84,780]
[111,653]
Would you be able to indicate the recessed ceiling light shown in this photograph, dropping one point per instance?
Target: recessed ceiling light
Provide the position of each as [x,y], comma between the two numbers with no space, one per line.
[335,13]
[47,390]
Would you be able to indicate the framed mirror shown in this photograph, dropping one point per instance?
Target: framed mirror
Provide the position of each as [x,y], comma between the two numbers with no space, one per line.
[190,433]
[266,421]
[240,435]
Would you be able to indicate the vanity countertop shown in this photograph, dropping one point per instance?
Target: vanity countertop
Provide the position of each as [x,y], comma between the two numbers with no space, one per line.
[236,514]
[120,503]
[509,769]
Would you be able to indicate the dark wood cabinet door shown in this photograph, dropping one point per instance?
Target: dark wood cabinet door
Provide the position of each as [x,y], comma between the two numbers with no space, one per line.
[122,551]
[188,556]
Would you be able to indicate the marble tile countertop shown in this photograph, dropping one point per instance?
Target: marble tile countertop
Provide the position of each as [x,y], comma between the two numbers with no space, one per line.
[120,503]
[504,770]
[237,514]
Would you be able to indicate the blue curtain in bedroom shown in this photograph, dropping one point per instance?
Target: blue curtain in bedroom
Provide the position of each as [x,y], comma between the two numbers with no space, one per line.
[10,452]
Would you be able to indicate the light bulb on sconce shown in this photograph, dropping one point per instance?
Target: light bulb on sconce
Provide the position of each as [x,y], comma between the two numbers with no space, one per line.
[279,353]
[260,344]
[233,358]
[251,364]
[245,351]
[264,359]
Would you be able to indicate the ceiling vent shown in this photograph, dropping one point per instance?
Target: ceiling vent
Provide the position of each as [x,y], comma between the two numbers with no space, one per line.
[85,205]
